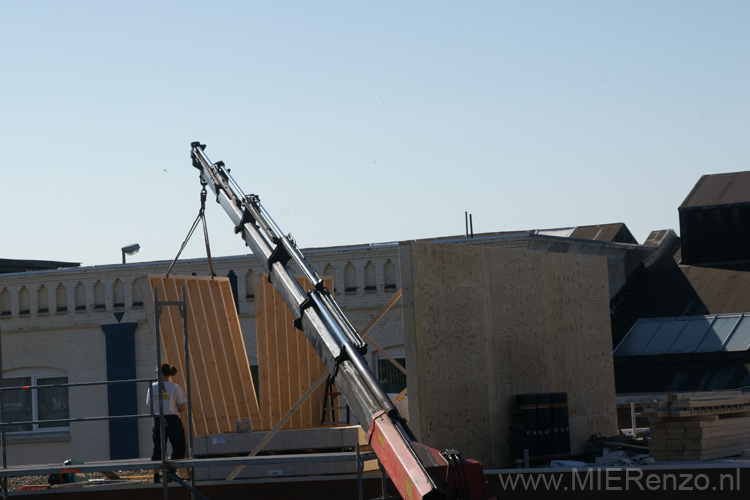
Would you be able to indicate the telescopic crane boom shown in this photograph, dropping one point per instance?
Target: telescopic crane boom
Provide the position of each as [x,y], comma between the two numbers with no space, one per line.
[417,471]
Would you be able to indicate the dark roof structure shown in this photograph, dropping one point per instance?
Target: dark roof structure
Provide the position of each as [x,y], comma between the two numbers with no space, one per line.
[715,222]
[616,233]
[22,266]
[679,324]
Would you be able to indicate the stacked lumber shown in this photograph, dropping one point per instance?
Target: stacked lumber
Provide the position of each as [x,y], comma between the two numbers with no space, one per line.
[700,426]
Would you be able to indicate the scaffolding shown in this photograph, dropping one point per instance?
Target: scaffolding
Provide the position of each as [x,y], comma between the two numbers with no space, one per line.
[167,467]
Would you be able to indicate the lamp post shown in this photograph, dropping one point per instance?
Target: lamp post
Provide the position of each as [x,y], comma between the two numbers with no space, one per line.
[130,250]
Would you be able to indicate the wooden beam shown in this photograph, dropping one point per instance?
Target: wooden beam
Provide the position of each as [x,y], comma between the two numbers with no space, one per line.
[383,311]
[387,356]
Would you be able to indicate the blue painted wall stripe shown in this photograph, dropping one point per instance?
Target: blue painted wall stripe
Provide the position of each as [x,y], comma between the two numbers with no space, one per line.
[122,398]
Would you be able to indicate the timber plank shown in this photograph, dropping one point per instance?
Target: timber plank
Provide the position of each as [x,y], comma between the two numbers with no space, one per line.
[240,371]
[262,336]
[216,363]
[283,393]
[678,396]
[205,416]
[228,369]
[293,355]
[270,389]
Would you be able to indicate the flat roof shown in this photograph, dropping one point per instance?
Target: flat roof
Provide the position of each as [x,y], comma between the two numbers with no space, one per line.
[23,265]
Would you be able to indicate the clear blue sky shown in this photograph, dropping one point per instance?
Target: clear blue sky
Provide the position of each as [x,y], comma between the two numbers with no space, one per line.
[361,122]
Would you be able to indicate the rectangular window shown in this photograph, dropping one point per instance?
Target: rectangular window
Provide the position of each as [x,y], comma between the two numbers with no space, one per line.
[390,377]
[18,407]
[25,405]
[52,402]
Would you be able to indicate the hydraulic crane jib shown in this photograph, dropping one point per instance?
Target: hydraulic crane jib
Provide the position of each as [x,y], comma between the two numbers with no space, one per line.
[417,471]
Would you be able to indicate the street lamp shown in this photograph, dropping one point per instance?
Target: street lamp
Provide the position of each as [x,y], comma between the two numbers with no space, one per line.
[130,250]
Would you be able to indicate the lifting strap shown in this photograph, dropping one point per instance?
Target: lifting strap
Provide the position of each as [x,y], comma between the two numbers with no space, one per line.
[201,217]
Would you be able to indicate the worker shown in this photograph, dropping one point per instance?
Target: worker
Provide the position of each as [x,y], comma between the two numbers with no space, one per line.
[173,399]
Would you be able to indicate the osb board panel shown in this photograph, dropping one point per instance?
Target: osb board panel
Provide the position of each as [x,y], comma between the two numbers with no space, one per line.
[508,322]
[221,384]
[287,363]
[584,340]
[446,363]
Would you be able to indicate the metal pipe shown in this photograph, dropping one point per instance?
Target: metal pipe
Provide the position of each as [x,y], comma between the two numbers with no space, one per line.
[383,480]
[326,315]
[346,326]
[375,388]
[162,437]
[78,384]
[2,418]
[79,419]
[183,313]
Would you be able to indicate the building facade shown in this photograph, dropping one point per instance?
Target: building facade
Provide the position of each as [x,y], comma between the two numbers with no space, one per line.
[88,325]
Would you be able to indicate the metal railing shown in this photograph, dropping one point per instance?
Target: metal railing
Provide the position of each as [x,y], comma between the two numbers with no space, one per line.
[165,465]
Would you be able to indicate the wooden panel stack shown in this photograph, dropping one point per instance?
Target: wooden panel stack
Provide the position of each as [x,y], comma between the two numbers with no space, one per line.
[287,363]
[483,324]
[700,426]
[222,390]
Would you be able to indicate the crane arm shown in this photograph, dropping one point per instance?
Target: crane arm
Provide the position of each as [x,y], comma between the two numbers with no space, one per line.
[416,470]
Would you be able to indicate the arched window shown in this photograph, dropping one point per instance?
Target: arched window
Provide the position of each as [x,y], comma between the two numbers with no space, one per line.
[137,296]
[389,275]
[42,300]
[80,297]
[99,303]
[350,278]
[118,294]
[370,277]
[61,298]
[23,302]
[249,288]
[330,272]
[5,302]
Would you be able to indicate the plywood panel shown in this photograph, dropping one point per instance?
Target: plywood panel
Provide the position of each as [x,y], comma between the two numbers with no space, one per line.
[520,310]
[222,390]
[287,363]
[595,406]
[449,351]
[503,322]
